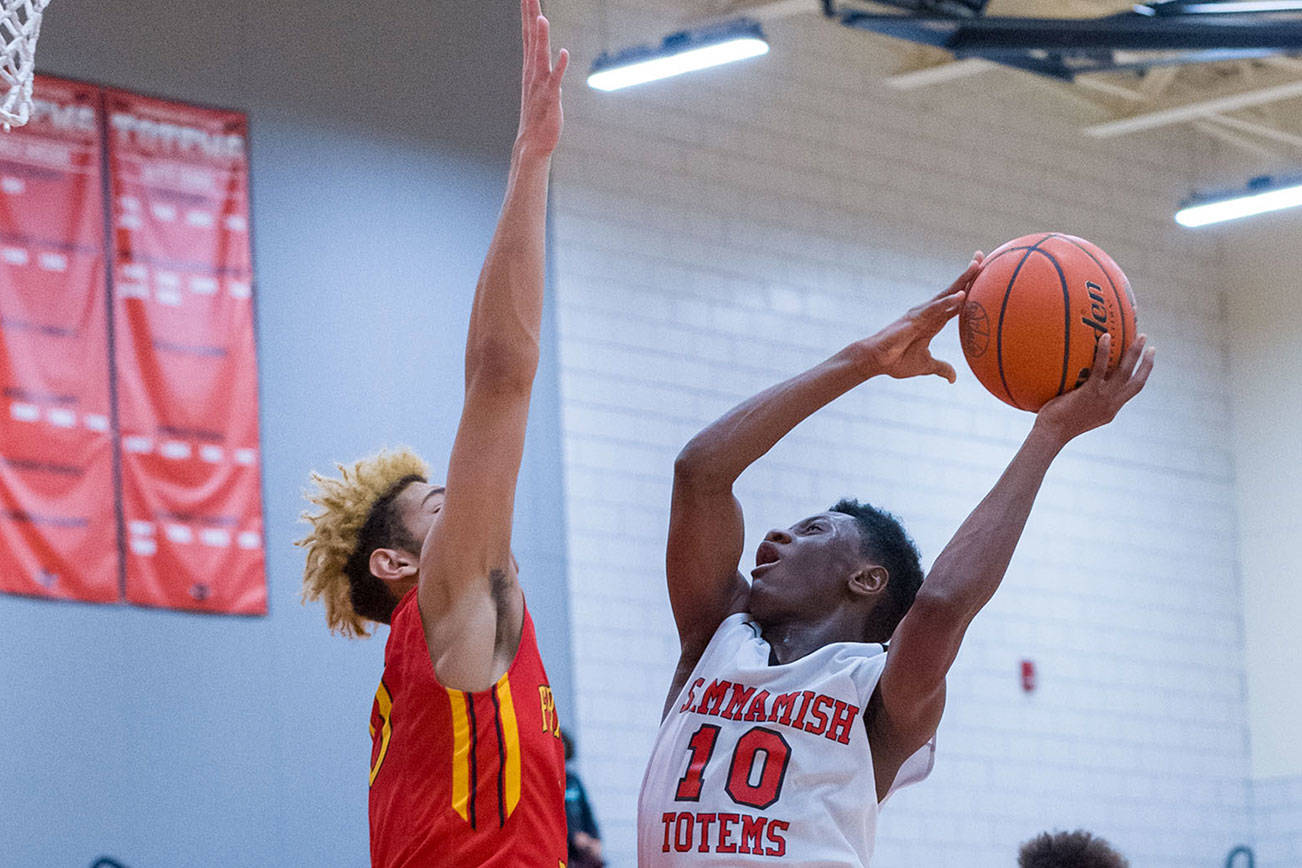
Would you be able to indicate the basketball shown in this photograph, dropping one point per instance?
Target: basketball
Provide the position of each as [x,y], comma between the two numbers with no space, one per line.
[1035,312]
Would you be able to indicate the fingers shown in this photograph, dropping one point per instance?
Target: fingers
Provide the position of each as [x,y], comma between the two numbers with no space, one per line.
[944,369]
[1140,377]
[542,44]
[1126,366]
[934,314]
[526,28]
[534,37]
[1102,349]
[965,279]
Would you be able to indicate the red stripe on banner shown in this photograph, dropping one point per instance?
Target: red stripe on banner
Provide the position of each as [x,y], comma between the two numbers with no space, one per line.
[186,361]
[58,530]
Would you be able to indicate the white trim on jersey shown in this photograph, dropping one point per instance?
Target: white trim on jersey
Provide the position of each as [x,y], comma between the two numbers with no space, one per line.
[767,763]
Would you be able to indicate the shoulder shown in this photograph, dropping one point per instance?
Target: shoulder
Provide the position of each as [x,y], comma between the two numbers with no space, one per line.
[406,614]
[728,638]
[405,620]
[732,631]
[735,628]
[726,647]
[868,658]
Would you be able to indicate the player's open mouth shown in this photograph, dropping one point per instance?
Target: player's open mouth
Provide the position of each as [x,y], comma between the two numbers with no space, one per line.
[765,556]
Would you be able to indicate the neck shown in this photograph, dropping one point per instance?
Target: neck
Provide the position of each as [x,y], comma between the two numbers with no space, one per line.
[791,639]
[399,588]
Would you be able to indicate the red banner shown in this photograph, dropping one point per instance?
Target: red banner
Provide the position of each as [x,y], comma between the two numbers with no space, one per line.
[58,525]
[186,363]
[183,355]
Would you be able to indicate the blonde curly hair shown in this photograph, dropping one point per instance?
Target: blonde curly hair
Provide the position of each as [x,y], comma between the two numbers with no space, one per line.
[334,569]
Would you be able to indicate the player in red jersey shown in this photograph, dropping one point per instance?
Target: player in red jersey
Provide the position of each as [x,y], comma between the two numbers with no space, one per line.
[467,765]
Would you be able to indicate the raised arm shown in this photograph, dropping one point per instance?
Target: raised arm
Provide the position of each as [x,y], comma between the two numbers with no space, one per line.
[470,602]
[910,696]
[706,533]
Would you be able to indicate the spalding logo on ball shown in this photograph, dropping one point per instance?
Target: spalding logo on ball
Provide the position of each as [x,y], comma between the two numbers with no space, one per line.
[1035,312]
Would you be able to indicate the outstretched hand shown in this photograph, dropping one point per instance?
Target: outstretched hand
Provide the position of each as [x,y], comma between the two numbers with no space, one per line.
[1096,401]
[903,348]
[540,83]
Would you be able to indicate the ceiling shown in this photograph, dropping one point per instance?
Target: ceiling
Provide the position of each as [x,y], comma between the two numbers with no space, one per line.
[1251,105]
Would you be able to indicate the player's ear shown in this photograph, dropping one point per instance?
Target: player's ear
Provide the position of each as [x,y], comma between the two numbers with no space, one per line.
[393,565]
[869,581]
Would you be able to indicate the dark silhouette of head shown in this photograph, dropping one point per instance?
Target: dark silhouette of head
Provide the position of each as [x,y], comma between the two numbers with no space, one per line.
[1078,849]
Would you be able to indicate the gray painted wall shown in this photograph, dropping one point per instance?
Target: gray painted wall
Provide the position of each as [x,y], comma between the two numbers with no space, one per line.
[380,144]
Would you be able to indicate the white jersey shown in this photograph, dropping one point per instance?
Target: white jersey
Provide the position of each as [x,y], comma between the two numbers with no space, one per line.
[767,764]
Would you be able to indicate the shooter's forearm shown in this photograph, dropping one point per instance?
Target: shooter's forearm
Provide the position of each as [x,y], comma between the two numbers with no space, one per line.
[719,454]
[968,572]
[502,344]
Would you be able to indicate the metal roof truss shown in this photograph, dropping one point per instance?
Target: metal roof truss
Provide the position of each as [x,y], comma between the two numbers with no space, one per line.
[1154,34]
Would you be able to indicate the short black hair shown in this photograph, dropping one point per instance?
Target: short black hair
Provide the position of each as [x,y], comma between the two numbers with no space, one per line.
[383,529]
[885,541]
[1078,849]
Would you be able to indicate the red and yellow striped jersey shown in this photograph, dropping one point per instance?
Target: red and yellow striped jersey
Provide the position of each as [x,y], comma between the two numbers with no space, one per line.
[460,778]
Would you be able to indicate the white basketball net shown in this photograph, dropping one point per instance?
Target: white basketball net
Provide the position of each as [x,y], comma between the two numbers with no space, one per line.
[20,24]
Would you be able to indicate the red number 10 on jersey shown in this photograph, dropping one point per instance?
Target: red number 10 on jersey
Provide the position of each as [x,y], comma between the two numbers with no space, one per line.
[758,746]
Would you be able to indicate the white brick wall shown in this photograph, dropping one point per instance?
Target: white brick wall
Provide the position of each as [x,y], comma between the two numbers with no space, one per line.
[714,235]
[1267,414]
[1277,809]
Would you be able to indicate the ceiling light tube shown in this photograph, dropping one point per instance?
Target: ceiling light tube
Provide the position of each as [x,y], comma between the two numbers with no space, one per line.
[1262,196]
[679,53]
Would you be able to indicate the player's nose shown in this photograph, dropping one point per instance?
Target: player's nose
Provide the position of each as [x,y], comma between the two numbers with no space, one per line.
[778,535]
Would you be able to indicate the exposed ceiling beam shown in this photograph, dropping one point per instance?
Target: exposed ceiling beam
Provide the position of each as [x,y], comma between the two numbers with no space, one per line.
[999,34]
[1283,61]
[765,10]
[1157,80]
[1266,132]
[1235,140]
[1251,75]
[1195,110]
[1103,86]
[939,73]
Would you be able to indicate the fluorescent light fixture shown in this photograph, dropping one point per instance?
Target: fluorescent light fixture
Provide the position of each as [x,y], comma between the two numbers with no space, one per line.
[1261,196]
[679,53]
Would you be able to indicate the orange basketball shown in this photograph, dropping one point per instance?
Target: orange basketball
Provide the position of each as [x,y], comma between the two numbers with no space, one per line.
[1034,313]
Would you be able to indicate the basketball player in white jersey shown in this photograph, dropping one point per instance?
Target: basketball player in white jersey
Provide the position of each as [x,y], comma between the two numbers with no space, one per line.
[788,721]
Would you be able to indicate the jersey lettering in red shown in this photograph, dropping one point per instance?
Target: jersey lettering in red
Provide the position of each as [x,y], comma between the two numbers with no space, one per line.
[804,710]
[718,832]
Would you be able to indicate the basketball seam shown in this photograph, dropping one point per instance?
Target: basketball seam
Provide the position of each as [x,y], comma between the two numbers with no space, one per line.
[995,256]
[1003,308]
[1066,313]
[1115,294]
